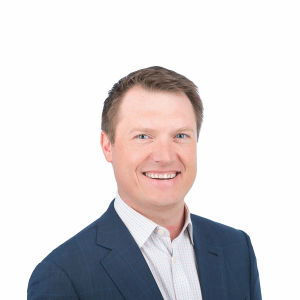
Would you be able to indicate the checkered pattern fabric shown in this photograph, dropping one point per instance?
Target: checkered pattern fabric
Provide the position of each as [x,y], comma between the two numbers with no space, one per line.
[172,264]
[104,262]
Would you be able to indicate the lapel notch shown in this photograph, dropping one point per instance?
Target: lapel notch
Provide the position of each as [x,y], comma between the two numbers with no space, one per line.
[125,263]
[210,261]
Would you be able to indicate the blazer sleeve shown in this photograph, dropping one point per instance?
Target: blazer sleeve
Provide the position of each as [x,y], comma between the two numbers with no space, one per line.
[255,291]
[48,281]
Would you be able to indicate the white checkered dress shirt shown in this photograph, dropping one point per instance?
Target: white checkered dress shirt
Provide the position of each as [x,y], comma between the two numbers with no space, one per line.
[173,265]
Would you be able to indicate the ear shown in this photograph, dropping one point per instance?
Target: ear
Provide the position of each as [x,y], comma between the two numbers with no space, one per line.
[106,146]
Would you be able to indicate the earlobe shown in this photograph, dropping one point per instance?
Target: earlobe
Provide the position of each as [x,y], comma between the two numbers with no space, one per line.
[106,146]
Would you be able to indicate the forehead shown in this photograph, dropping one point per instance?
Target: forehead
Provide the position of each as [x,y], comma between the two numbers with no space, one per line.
[140,105]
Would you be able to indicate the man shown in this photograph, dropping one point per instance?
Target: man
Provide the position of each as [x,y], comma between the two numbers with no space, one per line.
[147,245]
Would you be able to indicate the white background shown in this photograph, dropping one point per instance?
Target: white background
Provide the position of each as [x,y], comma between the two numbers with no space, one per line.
[59,59]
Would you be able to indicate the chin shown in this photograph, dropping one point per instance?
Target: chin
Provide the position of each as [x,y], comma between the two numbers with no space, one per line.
[163,200]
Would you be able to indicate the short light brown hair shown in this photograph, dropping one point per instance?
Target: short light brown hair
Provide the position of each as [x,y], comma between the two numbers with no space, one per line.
[151,79]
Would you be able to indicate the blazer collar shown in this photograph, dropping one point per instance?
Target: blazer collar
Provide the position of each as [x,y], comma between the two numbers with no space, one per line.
[125,263]
[128,269]
[210,261]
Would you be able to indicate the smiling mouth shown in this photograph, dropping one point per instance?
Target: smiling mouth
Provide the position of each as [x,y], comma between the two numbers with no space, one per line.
[167,176]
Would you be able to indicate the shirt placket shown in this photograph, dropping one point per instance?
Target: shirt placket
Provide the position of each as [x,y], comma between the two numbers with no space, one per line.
[163,235]
[181,283]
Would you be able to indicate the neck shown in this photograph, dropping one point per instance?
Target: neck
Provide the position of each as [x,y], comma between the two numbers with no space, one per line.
[170,217]
[176,228]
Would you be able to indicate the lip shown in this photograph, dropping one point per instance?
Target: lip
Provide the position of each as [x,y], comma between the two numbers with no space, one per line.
[162,183]
[161,172]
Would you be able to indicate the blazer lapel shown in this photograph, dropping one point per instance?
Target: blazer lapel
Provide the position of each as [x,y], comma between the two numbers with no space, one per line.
[125,263]
[210,261]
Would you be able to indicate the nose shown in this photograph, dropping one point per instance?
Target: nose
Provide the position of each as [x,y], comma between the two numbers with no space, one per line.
[164,152]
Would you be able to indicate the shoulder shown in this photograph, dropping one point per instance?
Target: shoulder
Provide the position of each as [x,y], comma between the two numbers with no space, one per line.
[221,234]
[70,264]
[84,242]
[57,267]
[74,246]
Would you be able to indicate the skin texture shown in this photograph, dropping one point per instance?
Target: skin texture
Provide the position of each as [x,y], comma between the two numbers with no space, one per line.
[156,133]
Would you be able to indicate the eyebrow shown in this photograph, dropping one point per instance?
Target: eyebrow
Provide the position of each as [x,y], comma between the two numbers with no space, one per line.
[145,129]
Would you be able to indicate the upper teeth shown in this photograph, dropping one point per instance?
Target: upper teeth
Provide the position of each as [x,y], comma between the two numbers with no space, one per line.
[153,175]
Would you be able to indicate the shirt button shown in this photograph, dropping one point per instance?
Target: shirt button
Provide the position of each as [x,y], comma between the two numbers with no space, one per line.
[174,260]
[160,232]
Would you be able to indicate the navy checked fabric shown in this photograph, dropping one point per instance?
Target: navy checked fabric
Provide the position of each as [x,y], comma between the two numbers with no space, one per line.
[103,261]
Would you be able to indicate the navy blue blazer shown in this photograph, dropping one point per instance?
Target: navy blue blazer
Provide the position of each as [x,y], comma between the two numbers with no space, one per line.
[103,261]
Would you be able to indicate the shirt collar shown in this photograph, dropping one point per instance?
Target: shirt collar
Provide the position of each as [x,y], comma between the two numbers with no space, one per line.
[141,227]
[188,223]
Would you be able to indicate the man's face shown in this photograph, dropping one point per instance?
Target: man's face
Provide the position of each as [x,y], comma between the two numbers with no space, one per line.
[156,136]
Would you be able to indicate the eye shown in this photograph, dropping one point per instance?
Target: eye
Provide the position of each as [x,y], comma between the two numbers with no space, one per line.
[181,135]
[142,136]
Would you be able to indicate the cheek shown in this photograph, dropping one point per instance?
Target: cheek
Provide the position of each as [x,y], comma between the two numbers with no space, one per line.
[136,157]
[129,159]
[189,157]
